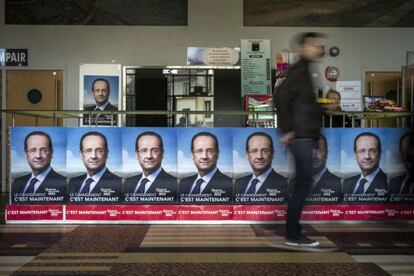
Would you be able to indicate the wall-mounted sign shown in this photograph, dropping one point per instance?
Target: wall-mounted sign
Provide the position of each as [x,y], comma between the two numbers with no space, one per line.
[13,57]
[350,95]
[255,67]
[213,56]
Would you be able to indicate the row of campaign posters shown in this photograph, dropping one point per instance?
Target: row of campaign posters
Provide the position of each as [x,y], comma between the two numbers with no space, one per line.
[206,166]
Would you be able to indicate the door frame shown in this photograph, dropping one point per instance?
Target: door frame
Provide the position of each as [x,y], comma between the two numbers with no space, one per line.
[5,175]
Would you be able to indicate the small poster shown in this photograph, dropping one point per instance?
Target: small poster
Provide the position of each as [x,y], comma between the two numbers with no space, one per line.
[100,89]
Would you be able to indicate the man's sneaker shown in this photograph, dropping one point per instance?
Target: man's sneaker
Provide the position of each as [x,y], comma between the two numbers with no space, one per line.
[301,241]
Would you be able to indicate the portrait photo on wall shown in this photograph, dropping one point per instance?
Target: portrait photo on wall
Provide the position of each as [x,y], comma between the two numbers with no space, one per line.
[94,164]
[100,89]
[205,165]
[363,165]
[149,158]
[400,155]
[260,167]
[326,186]
[38,165]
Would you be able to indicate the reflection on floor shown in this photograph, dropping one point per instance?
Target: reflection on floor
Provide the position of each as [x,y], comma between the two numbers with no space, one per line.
[346,249]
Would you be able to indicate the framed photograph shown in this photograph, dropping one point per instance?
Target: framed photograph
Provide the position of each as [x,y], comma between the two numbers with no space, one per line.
[100,90]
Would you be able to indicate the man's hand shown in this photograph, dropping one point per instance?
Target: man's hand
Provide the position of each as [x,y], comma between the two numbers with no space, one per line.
[287,138]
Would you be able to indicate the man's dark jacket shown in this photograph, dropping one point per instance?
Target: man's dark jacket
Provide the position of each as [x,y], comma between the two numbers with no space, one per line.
[108,107]
[327,181]
[295,101]
[396,183]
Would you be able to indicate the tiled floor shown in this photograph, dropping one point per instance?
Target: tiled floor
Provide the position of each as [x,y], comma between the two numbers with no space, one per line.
[346,249]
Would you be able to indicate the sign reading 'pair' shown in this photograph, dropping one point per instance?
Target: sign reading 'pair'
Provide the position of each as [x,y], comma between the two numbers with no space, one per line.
[13,57]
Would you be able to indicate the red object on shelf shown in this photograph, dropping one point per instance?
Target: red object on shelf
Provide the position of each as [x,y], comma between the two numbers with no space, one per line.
[257,102]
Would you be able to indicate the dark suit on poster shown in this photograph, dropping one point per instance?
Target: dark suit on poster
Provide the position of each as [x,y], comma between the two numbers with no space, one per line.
[273,181]
[396,184]
[218,181]
[328,181]
[104,119]
[108,107]
[379,182]
[107,181]
[163,180]
[53,180]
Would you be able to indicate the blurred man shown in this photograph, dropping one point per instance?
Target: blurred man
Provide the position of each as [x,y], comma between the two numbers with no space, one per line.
[209,180]
[101,91]
[98,180]
[263,180]
[149,149]
[372,180]
[404,184]
[43,180]
[299,120]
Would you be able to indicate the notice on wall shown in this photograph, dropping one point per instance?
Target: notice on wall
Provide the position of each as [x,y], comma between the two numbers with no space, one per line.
[213,56]
[255,66]
[350,95]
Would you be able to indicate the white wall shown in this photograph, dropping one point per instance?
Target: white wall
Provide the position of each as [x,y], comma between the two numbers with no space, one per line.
[212,23]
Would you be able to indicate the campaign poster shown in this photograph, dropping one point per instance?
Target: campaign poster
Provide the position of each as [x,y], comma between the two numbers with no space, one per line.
[149,157]
[38,165]
[326,186]
[100,94]
[363,165]
[401,189]
[94,163]
[205,165]
[260,167]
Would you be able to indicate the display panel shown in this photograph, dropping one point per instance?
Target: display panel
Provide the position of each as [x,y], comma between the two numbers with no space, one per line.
[98,174]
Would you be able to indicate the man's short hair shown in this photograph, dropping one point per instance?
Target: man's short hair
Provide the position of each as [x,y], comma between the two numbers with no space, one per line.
[41,133]
[369,134]
[301,38]
[410,135]
[93,133]
[149,133]
[259,133]
[323,137]
[205,133]
[104,80]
